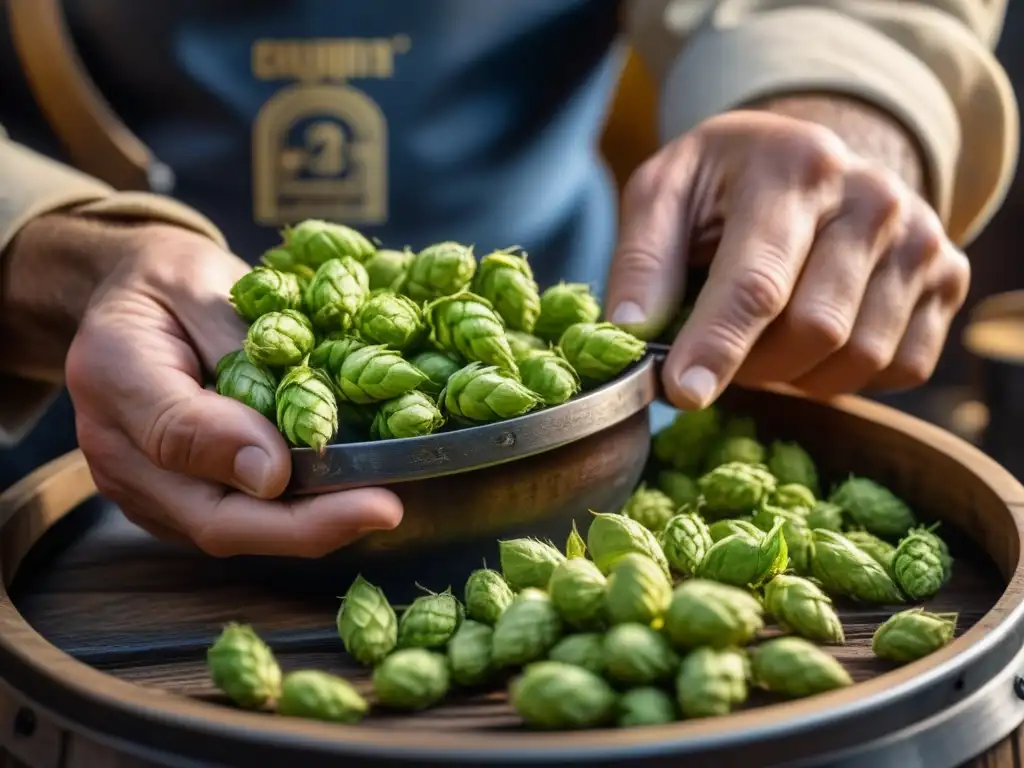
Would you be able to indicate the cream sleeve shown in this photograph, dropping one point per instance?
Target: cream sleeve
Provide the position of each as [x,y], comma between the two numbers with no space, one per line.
[32,185]
[929,63]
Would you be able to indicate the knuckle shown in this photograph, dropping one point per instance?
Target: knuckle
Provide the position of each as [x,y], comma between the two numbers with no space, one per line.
[208,539]
[639,259]
[916,369]
[925,242]
[822,157]
[957,279]
[645,182]
[761,293]
[869,355]
[172,440]
[824,325]
[881,197]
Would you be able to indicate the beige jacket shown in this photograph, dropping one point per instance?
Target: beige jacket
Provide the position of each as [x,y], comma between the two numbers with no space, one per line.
[929,62]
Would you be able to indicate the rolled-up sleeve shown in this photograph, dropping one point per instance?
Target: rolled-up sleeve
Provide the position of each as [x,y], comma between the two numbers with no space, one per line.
[929,64]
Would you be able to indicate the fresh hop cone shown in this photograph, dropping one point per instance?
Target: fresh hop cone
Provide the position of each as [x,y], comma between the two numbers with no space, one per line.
[525,344]
[650,507]
[337,292]
[794,530]
[412,679]
[921,564]
[685,541]
[367,624]
[248,383]
[505,279]
[721,529]
[741,449]
[634,654]
[790,463]
[439,270]
[386,269]
[644,706]
[410,415]
[800,606]
[484,393]
[575,546]
[563,305]
[283,260]
[874,507]
[279,339]
[577,589]
[795,497]
[528,562]
[638,591]
[244,668]
[844,569]
[527,630]
[430,621]
[913,634]
[307,413]
[882,552]
[685,443]
[600,351]
[465,324]
[556,696]
[679,487]
[375,373]
[314,242]
[582,650]
[712,682]
[612,536]
[317,695]
[329,355]
[735,488]
[825,514]
[469,653]
[487,596]
[744,561]
[437,367]
[708,613]
[391,319]
[549,376]
[263,290]
[795,668]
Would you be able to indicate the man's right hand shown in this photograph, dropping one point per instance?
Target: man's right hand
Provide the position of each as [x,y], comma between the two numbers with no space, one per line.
[183,462]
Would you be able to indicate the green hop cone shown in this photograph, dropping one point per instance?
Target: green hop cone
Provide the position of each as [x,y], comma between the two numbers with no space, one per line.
[248,383]
[439,270]
[316,695]
[844,569]
[410,415]
[465,324]
[582,650]
[577,590]
[329,355]
[794,496]
[712,682]
[635,654]
[921,564]
[314,242]
[685,541]
[913,634]
[337,292]
[599,351]
[882,552]
[874,507]
[263,290]
[374,373]
[679,487]
[525,344]
[487,596]
[391,319]
[555,696]
[735,488]
[366,623]
[279,339]
[825,514]
[412,679]
[644,706]
[708,613]
[528,562]
[649,507]
[790,463]
[527,630]
[744,450]
[244,667]
[638,591]
[685,443]
[430,621]
[744,561]
[283,260]
[549,376]
[307,411]
[795,668]
[469,653]
[720,529]
[484,393]
[575,546]
[800,606]
[505,279]
[386,269]
[437,367]
[563,305]
[794,529]
[611,536]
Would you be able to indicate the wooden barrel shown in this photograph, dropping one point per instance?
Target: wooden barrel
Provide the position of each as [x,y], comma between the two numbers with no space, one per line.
[103,632]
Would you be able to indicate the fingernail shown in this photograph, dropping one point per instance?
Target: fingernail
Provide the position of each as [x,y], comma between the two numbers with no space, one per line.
[252,465]
[698,385]
[629,313]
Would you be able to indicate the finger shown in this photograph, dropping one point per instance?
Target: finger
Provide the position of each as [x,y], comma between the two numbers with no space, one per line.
[155,529]
[919,351]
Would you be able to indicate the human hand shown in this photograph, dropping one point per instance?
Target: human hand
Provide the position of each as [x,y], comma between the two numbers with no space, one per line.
[183,462]
[830,273]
